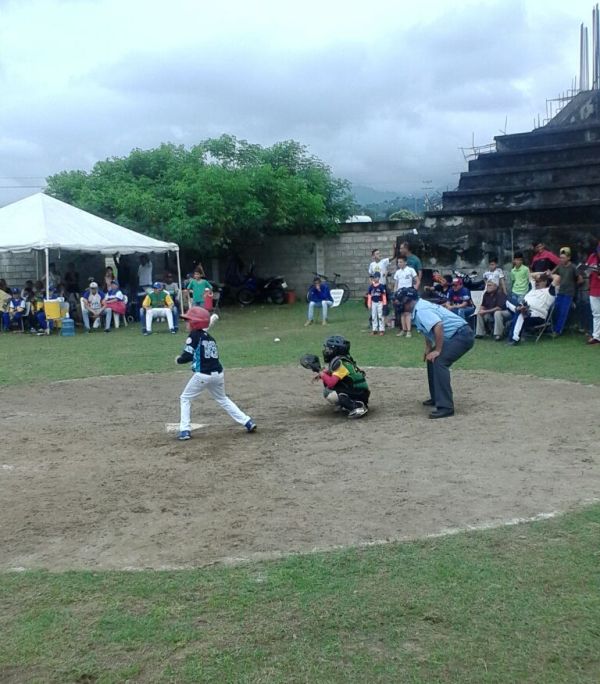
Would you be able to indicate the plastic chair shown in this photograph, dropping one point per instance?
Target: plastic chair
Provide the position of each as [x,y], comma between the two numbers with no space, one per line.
[117,317]
[337,296]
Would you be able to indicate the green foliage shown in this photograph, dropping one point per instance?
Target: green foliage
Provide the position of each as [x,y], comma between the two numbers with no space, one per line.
[217,193]
[404,215]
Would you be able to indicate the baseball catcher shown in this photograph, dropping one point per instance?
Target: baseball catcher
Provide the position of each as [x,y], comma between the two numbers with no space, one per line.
[344,383]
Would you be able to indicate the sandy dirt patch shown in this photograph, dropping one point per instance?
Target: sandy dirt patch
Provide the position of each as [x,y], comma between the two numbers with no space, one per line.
[90,478]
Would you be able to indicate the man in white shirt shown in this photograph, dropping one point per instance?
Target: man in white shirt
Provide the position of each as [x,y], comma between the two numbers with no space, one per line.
[535,307]
[145,273]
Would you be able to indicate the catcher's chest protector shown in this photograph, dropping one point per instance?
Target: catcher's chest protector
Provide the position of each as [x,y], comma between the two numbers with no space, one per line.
[356,377]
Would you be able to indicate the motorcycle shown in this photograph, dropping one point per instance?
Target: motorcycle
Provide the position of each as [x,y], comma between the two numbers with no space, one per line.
[253,288]
[472,281]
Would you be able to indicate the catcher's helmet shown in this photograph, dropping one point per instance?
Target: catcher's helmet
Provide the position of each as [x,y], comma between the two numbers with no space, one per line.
[198,318]
[406,294]
[336,345]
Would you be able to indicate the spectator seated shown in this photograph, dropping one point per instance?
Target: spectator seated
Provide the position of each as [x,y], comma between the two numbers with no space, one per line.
[158,304]
[536,308]
[493,312]
[93,309]
[15,313]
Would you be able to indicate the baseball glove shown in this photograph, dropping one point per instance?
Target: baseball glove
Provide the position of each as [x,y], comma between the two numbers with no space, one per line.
[310,361]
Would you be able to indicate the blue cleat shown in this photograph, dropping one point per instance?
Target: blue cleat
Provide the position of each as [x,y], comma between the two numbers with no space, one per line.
[184,435]
[250,426]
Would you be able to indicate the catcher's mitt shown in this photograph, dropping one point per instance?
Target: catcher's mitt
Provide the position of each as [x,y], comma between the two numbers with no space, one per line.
[311,361]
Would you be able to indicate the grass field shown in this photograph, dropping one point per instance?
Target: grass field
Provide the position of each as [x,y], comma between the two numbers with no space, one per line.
[246,337]
[518,604]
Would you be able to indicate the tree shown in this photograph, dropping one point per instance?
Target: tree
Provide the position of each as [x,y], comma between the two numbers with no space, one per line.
[220,192]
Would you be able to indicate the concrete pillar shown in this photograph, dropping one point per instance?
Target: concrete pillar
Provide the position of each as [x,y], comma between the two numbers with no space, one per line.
[319,256]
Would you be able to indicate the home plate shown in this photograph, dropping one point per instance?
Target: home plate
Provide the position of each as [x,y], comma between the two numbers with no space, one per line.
[174,427]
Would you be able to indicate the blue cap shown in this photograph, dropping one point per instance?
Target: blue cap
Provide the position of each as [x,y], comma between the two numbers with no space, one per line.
[157,285]
[15,290]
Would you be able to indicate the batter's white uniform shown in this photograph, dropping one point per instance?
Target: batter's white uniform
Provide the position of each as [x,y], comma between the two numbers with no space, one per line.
[201,349]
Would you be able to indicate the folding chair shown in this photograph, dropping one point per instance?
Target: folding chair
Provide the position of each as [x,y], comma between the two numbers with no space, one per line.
[543,327]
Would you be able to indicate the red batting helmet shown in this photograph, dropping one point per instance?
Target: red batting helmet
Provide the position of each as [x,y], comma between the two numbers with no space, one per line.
[197,317]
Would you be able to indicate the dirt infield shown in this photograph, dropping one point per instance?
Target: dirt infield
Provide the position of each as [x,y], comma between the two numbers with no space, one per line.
[89,477]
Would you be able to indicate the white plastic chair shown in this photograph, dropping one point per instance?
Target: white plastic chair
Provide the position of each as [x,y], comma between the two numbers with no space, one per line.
[336,295]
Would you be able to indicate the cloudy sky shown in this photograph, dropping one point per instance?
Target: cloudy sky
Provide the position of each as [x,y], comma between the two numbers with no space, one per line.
[384,91]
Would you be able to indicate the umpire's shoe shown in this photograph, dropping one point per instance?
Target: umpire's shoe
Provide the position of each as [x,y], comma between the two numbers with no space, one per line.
[184,435]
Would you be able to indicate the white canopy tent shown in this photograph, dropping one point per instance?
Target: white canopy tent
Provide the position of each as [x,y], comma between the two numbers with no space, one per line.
[40,222]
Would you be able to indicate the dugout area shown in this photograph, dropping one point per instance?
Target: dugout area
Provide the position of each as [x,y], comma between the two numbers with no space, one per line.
[97,482]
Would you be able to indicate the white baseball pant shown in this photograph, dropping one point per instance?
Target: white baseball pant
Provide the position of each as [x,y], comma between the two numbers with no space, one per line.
[215,385]
[595,307]
[377,320]
[159,313]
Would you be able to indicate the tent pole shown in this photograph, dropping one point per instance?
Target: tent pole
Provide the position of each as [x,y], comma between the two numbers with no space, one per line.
[179,280]
[47,273]
[47,286]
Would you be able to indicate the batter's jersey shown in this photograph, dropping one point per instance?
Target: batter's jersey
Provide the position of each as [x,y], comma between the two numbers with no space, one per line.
[201,349]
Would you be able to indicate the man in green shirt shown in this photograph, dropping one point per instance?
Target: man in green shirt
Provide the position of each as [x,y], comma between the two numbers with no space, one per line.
[519,280]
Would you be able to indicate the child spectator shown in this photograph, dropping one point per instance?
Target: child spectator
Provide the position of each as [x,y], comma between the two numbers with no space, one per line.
[376,300]
[115,302]
[495,274]
[199,288]
[459,300]
[519,280]
[318,295]
[405,276]
[438,290]
[15,310]
[109,276]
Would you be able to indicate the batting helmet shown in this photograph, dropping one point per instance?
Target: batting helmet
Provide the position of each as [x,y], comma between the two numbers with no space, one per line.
[198,318]
[157,286]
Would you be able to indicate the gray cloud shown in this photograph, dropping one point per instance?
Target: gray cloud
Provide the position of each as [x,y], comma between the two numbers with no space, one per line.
[389,108]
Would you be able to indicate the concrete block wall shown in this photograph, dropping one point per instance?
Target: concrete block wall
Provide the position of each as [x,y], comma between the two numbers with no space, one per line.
[347,253]
[17,268]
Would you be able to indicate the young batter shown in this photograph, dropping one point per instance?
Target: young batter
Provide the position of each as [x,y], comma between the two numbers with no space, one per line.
[201,349]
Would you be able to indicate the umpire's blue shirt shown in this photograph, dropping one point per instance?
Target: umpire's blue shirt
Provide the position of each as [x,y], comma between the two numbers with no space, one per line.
[427,315]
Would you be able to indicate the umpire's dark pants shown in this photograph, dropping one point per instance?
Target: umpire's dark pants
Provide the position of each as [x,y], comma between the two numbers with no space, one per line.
[438,371]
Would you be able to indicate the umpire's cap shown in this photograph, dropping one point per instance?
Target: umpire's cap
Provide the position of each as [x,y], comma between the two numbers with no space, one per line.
[406,294]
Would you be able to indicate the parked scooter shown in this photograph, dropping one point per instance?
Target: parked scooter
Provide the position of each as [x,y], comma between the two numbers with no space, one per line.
[472,281]
[253,288]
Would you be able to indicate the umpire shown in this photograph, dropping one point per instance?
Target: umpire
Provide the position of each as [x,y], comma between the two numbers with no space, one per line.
[447,338]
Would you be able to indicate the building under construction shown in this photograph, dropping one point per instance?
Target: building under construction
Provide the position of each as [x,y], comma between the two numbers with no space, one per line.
[544,184]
